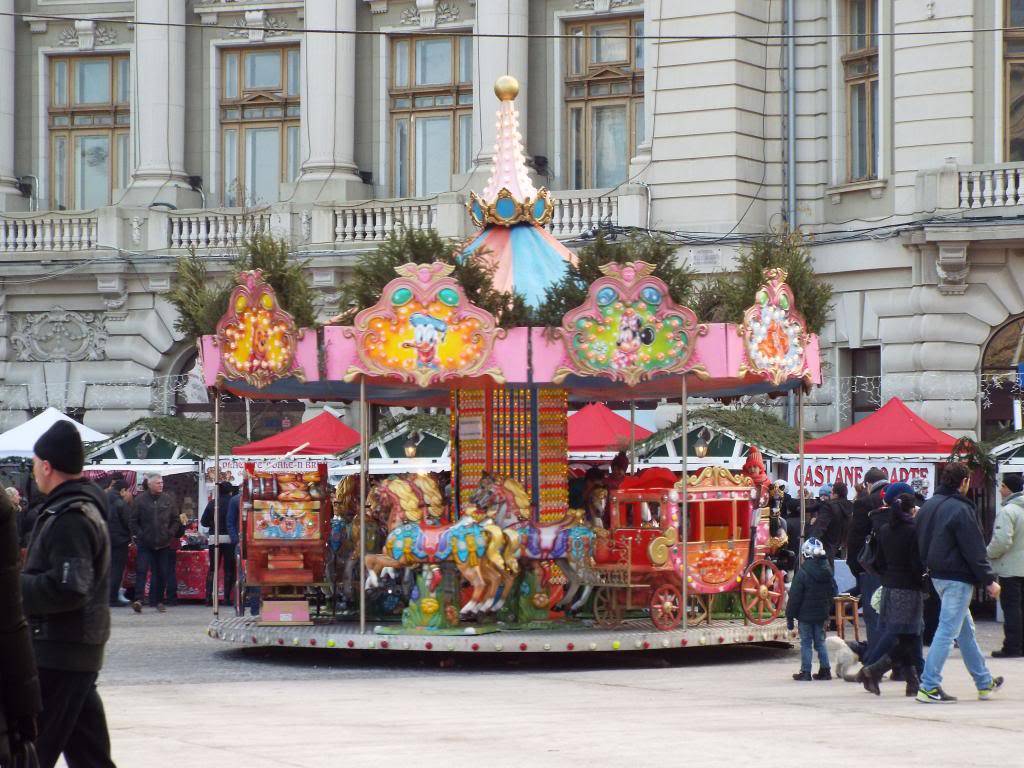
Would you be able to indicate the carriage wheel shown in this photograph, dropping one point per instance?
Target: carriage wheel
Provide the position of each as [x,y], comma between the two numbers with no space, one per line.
[762,591]
[667,607]
[608,609]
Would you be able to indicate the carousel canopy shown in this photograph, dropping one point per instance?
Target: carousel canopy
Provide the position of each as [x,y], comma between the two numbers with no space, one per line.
[596,427]
[20,440]
[525,257]
[322,435]
[892,429]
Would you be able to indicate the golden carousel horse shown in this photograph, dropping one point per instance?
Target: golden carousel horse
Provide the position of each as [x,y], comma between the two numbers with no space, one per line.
[483,554]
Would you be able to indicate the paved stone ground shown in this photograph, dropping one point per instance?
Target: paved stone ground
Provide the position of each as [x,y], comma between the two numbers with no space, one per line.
[175,697]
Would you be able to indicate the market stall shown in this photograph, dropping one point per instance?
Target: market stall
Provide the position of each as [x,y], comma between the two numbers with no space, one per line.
[894,439]
[506,553]
[176,449]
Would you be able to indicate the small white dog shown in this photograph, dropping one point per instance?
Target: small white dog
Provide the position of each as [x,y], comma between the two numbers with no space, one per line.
[845,663]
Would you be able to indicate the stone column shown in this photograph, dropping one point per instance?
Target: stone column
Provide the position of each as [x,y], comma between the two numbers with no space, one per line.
[652,26]
[492,58]
[329,104]
[10,198]
[158,112]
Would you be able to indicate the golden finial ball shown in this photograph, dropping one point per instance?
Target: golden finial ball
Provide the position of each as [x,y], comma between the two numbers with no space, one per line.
[506,88]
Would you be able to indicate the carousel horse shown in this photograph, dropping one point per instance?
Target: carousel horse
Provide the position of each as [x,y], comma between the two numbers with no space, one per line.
[480,551]
[342,556]
[570,542]
[595,505]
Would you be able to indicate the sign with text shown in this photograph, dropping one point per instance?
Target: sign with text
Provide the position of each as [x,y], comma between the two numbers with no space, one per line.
[819,472]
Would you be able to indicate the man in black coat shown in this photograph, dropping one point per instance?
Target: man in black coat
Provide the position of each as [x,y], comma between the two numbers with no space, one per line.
[861,525]
[831,520]
[226,550]
[119,526]
[64,587]
[19,686]
[156,523]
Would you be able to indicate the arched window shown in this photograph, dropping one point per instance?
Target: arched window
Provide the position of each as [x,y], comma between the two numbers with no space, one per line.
[1003,353]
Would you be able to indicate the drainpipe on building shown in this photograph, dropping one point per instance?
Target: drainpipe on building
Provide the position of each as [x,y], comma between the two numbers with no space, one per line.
[791,114]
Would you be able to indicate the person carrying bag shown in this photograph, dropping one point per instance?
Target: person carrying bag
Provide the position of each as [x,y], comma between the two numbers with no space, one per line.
[20,700]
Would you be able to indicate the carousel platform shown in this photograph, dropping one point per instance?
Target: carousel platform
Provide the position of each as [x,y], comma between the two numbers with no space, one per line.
[631,635]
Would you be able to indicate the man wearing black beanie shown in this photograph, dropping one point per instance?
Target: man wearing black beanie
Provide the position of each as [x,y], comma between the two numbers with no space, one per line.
[64,588]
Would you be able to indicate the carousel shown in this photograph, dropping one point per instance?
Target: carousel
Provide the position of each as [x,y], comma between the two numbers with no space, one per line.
[492,558]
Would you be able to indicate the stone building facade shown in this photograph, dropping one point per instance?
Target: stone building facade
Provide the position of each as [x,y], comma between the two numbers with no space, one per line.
[132,131]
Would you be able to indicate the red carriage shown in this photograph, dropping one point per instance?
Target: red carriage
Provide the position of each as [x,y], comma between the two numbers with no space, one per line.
[641,562]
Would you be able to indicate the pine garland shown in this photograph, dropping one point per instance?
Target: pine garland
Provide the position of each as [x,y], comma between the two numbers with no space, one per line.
[201,301]
[571,291]
[375,270]
[736,291]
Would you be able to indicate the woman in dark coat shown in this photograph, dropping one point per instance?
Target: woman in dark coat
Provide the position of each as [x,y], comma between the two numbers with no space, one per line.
[902,572]
[20,702]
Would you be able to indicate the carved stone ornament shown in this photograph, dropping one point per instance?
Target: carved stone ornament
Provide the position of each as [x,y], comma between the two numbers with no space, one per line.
[774,334]
[430,13]
[85,35]
[629,329]
[258,25]
[952,267]
[59,335]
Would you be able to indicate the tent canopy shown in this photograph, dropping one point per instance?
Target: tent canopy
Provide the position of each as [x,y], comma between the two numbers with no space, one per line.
[892,429]
[20,440]
[322,435]
[596,427]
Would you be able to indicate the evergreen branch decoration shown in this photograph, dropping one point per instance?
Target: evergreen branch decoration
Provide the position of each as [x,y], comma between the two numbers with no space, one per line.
[977,458]
[749,424]
[780,249]
[201,300]
[375,270]
[571,291]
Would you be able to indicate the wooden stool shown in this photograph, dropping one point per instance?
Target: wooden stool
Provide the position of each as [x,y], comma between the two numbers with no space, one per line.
[846,610]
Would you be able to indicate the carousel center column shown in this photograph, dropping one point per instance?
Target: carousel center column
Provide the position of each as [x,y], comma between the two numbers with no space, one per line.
[492,58]
[158,110]
[328,89]
[10,198]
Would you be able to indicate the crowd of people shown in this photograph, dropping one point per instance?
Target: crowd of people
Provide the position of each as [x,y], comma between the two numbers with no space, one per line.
[911,557]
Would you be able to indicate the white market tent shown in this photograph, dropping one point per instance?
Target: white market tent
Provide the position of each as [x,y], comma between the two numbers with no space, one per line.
[20,440]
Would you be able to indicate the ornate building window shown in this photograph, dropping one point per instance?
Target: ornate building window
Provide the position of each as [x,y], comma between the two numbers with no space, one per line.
[604,96]
[1000,388]
[860,72]
[259,122]
[431,94]
[88,116]
[1013,56]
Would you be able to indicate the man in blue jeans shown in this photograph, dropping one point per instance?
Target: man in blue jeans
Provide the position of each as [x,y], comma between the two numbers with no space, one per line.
[953,550]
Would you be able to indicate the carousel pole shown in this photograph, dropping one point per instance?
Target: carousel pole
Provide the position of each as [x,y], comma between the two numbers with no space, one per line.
[683,513]
[364,452]
[216,499]
[632,436]
[801,484]
[248,421]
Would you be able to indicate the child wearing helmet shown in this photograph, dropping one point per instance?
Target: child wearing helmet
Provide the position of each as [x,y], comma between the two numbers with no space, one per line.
[810,598]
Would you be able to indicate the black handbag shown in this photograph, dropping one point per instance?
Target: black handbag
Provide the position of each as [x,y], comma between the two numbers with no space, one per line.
[867,558]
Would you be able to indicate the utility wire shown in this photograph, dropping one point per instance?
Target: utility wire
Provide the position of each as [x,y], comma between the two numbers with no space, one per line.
[761,39]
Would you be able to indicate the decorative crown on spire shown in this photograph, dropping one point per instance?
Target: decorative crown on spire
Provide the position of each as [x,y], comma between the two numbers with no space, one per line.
[510,197]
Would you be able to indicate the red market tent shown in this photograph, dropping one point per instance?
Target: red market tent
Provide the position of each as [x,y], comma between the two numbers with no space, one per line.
[892,429]
[597,428]
[323,435]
